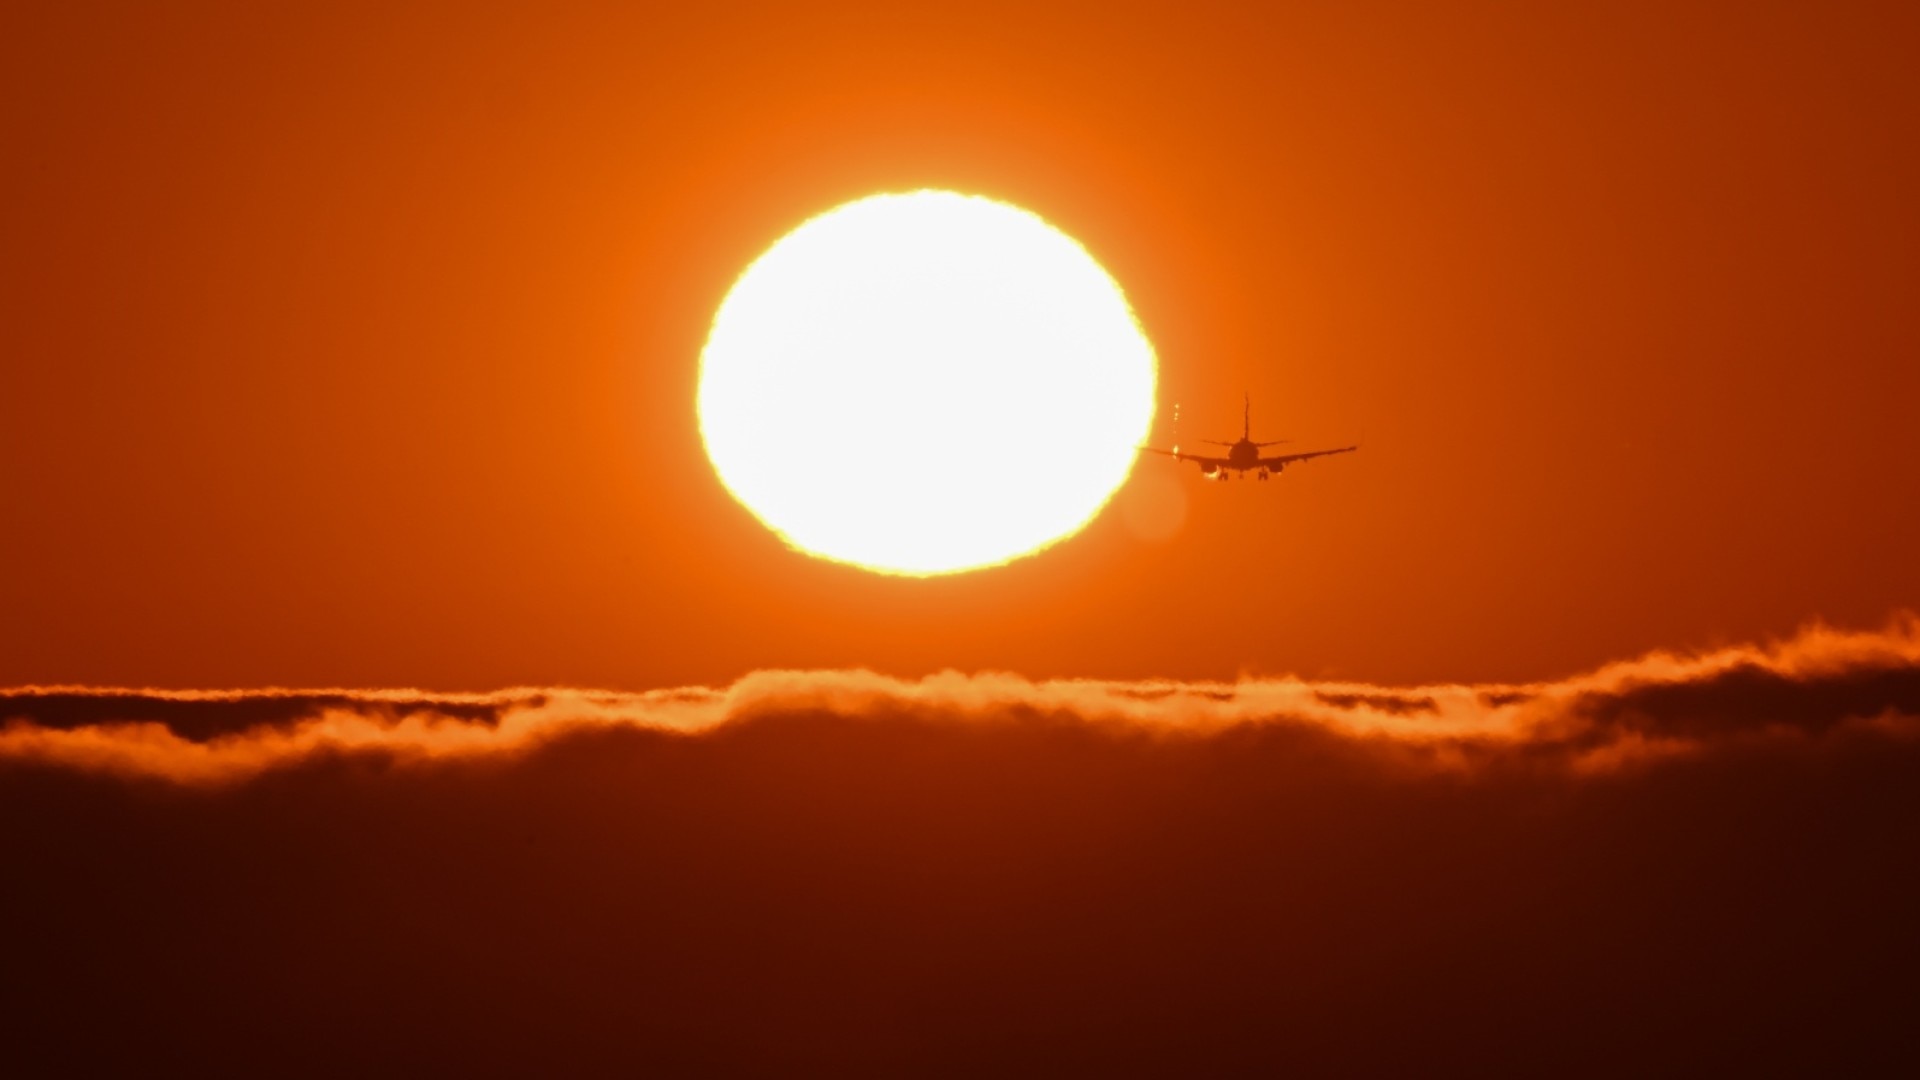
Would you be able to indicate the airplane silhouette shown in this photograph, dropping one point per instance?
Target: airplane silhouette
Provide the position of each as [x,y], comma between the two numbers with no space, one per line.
[1243,456]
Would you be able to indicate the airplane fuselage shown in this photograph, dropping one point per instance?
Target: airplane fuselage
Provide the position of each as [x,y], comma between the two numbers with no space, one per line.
[1242,457]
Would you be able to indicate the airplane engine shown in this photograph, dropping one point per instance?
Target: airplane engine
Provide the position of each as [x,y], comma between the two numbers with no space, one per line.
[1211,472]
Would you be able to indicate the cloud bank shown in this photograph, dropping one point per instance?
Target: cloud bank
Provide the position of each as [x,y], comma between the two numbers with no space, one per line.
[1812,686]
[1683,863]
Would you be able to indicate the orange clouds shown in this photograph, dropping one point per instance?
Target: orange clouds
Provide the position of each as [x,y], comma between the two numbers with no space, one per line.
[1680,863]
[1819,682]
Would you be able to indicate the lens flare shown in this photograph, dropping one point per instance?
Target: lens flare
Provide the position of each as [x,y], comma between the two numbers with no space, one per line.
[925,383]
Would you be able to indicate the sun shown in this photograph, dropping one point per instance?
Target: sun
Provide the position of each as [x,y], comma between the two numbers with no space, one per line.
[925,383]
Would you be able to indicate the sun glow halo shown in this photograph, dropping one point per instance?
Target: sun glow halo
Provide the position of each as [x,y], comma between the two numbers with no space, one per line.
[925,383]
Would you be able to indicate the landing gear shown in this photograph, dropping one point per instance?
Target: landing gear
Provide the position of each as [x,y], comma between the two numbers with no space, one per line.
[1263,474]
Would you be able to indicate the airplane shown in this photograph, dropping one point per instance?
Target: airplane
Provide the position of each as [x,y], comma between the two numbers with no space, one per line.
[1244,456]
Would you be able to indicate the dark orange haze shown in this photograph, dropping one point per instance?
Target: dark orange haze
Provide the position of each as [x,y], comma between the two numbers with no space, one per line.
[354,346]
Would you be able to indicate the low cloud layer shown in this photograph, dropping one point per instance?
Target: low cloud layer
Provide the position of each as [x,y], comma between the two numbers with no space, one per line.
[1819,683]
[1676,864]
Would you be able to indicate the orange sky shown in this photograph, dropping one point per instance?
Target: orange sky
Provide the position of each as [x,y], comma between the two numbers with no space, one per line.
[347,346]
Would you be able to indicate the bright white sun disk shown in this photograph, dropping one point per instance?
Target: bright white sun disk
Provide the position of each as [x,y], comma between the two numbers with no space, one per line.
[925,383]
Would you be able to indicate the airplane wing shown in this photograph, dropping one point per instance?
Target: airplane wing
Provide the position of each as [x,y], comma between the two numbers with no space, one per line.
[1207,464]
[1279,460]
